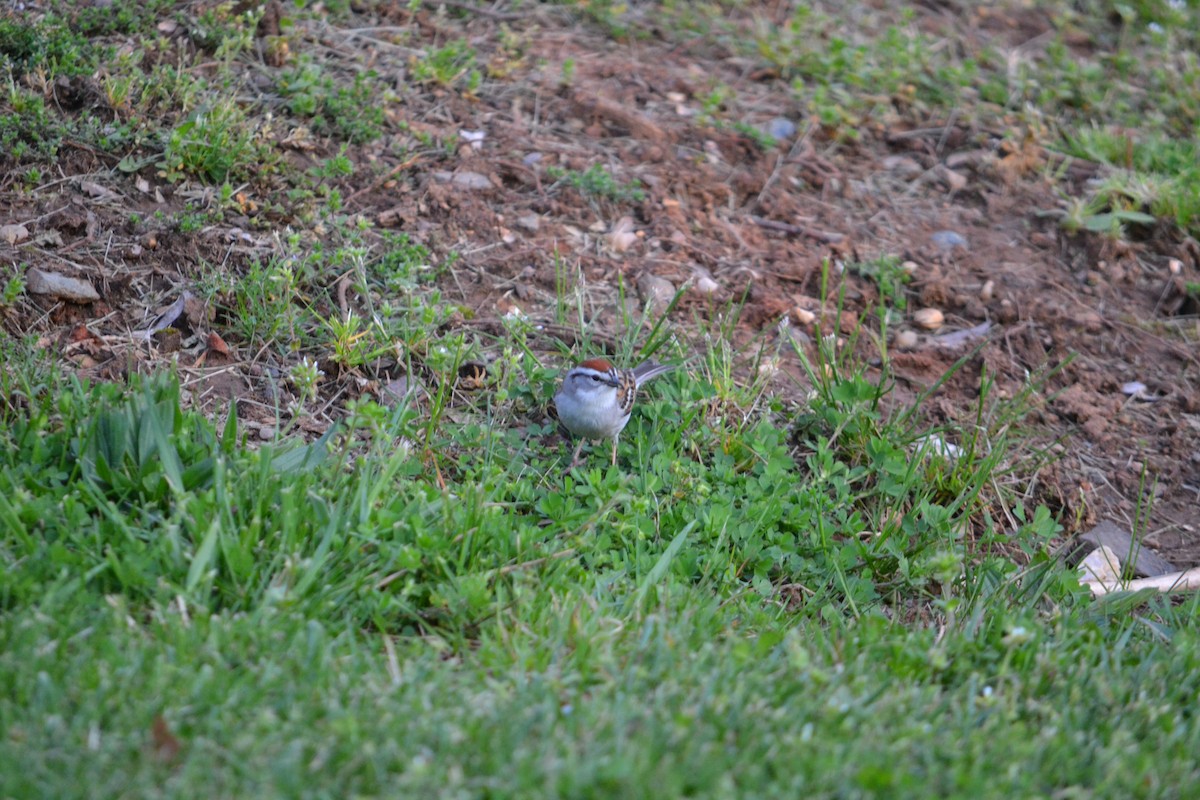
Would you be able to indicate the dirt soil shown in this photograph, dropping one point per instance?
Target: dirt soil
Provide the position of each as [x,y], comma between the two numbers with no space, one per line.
[1085,314]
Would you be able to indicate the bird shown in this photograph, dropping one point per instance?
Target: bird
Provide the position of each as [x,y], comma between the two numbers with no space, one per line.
[596,399]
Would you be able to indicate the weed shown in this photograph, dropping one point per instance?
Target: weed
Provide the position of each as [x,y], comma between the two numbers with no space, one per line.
[48,47]
[353,112]
[28,132]
[339,166]
[116,17]
[448,65]
[596,181]
[306,376]
[891,276]
[216,145]
[225,33]
[354,343]
[262,303]
[14,287]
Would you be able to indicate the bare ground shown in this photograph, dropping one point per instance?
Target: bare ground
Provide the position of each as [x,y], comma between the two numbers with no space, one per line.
[1087,314]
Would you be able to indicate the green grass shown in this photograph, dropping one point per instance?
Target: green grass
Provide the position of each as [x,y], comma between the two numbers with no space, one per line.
[597,182]
[762,599]
[723,613]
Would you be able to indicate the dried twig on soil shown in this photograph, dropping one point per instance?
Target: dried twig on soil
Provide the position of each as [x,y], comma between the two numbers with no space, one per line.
[1186,581]
[567,335]
[391,173]
[502,16]
[827,237]
[639,126]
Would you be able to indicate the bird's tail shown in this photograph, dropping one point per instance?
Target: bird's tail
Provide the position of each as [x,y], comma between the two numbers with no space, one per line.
[648,370]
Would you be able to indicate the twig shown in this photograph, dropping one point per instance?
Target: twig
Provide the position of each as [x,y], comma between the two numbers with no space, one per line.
[827,237]
[381,181]
[503,16]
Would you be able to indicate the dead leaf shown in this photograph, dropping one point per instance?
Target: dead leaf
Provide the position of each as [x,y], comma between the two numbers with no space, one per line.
[164,743]
[217,345]
[96,191]
[48,238]
[472,375]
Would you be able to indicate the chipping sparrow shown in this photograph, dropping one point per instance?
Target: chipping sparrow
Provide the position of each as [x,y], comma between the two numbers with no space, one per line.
[596,398]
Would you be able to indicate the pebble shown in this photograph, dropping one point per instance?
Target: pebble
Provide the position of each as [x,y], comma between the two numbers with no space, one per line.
[903,166]
[803,316]
[948,240]
[14,233]
[989,289]
[39,281]
[465,180]
[929,318]
[702,282]
[954,181]
[780,128]
[906,340]
[655,292]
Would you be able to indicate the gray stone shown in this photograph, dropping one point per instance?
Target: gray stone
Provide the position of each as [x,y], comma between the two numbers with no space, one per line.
[655,292]
[1146,562]
[38,281]
[948,240]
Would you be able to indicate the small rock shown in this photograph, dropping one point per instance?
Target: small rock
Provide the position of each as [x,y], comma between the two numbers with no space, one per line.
[780,128]
[906,340]
[531,158]
[903,166]
[803,316]
[948,240]
[1045,241]
[465,180]
[929,318]
[51,283]
[703,283]
[530,222]
[14,233]
[954,181]
[1102,565]
[909,267]
[655,292]
[1145,561]
[622,236]
[989,288]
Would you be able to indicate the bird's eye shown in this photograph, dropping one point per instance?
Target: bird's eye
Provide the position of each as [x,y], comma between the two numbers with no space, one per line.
[596,378]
